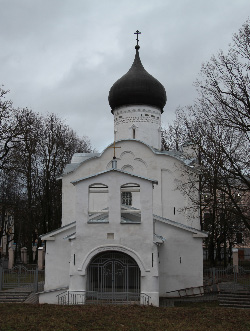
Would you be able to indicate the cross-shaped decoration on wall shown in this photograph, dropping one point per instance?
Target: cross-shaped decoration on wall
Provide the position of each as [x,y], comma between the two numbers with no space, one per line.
[137,32]
[114,157]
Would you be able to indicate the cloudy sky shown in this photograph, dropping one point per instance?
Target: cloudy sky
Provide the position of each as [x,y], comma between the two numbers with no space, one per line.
[63,56]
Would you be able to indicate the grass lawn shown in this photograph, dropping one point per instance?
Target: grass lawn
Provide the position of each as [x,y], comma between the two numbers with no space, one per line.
[96,317]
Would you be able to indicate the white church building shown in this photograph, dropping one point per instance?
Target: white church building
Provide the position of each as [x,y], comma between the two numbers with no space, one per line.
[128,231]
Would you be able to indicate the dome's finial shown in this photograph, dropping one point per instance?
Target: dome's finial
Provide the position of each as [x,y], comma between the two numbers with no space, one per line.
[137,40]
[137,87]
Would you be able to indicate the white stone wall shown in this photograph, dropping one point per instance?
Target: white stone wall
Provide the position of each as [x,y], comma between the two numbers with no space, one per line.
[168,200]
[134,239]
[180,257]
[180,260]
[57,259]
[138,122]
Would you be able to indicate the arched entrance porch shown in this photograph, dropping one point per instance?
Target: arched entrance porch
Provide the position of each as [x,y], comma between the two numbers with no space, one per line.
[113,276]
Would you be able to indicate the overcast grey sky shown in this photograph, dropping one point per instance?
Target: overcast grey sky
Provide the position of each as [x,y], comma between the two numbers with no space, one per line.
[63,56]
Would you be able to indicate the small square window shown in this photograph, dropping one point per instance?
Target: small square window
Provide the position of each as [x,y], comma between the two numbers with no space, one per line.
[127,198]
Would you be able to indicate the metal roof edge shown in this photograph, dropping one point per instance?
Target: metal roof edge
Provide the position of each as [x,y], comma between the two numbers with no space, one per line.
[198,233]
[59,230]
[171,153]
[114,170]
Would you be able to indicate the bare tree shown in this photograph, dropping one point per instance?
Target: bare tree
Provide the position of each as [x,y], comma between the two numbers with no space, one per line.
[223,198]
[44,146]
[224,95]
[9,129]
[8,184]
[224,83]
[25,160]
[218,124]
[58,145]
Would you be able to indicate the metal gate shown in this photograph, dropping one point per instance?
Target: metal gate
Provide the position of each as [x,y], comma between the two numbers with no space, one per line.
[114,277]
[19,276]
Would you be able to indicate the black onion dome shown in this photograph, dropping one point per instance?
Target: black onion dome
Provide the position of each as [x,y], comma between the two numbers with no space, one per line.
[137,87]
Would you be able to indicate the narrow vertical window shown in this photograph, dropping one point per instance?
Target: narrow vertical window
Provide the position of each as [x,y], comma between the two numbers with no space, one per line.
[98,203]
[130,203]
[133,133]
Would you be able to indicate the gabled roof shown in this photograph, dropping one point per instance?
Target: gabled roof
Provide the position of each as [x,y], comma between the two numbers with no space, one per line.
[196,233]
[85,157]
[77,159]
[50,235]
[75,182]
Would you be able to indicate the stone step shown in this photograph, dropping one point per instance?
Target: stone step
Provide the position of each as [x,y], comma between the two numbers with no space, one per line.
[6,296]
[234,300]
[228,296]
[229,305]
[12,300]
[14,292]
[246,291]
[237,287]
[235,297]
[14,295]
[238,299]
[118,302]
[238,295]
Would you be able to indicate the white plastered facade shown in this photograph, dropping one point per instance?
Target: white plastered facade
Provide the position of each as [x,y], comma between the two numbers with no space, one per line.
[136,122]
[154,226]
[167,242]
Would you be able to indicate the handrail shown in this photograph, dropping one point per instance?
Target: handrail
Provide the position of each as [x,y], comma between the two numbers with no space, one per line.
[80,297]
[187,289]
[71,297]
[61,293]
[55,290]
[146,299]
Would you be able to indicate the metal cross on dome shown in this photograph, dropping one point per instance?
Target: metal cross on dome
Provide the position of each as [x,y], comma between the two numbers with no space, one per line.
[137,32]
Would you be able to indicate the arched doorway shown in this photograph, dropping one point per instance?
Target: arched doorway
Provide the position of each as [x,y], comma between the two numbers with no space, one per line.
[114,277]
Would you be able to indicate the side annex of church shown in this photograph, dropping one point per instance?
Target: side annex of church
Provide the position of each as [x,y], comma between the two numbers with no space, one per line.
[129,233]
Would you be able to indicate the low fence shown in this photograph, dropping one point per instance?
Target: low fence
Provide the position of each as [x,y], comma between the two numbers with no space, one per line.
[20,276]
[4,263]
[94,297]
[244,261]
[235,277]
